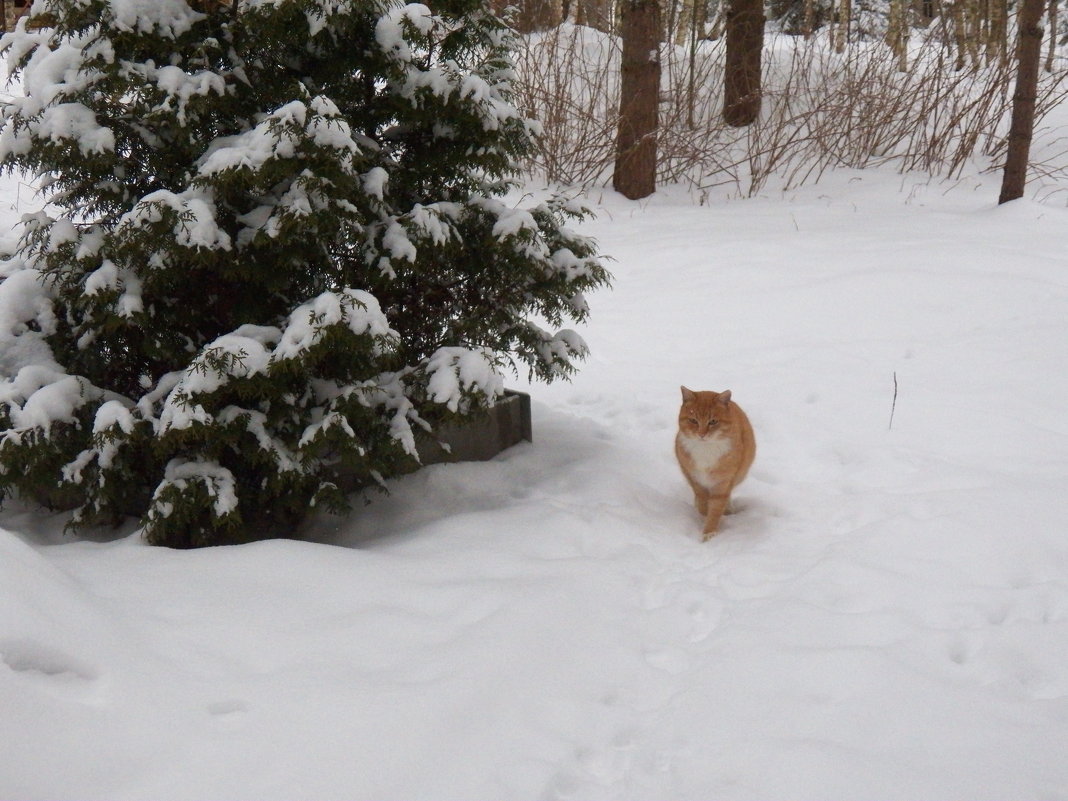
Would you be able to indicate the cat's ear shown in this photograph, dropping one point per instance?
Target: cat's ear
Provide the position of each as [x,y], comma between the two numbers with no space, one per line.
[688,395]
[725,397]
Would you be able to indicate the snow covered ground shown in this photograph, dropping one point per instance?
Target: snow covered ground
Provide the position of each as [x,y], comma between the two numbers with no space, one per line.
[885,616]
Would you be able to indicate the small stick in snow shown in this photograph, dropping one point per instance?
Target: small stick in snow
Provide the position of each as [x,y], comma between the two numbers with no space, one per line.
[893,403]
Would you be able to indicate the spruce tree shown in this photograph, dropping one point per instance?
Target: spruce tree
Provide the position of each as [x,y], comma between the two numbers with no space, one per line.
[274,243]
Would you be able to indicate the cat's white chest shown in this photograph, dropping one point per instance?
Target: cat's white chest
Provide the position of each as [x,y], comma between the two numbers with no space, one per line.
[706,453]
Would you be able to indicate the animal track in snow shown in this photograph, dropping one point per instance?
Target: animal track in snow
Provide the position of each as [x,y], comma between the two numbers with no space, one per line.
[960,652]
[51,670]
[681,610]
[32,657]
[623,760]
[227,708]
[672,660]
[704,622]
[228,714]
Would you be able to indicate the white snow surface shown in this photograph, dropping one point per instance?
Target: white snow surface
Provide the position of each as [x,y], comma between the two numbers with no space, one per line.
[885,615]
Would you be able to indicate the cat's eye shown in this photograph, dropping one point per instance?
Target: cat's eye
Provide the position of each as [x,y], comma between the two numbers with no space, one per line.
[713,422]
[693,421]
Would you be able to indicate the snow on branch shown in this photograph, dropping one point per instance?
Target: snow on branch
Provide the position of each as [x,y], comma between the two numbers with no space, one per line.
[182,476]
[456,372]
[357,310]
[169,18]
[280,136]
[39,396]
[191,214]
[389,32]
[75,122]
[26,318]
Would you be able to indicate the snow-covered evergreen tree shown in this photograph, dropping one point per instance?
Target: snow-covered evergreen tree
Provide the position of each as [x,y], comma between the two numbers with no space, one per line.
[274,243]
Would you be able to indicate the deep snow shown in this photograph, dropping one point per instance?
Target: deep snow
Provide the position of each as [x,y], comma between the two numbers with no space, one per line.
[885,616]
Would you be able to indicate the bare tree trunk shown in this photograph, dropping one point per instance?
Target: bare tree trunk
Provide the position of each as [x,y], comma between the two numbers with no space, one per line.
[982,22]
[1028,62]
[1052,52]
[845,20]
[697,24]
[635,170]
[691,22]
[967,31]
[537,15]
[974,37]
[719,22]
[808,23]
[595,13]
[956,10]
[741,69]
[903,47]
[678,23]
[997,34]
[897,33]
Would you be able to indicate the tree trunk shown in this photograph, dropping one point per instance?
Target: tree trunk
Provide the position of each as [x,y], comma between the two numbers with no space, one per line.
[598,14]
[845,21]
[897,33]
[957,10]
[693,16]
[696,28]
[719,22]
[635,171]
[537,15]
[1052,53]
[974,36]
[808,24]
[997,34]
[679,16]
[741,70]
[1028,62]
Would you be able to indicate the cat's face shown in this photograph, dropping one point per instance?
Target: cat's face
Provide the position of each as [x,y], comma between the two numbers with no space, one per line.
[704,415]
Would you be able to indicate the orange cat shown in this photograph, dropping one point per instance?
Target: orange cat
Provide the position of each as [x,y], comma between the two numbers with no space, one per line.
[715,447]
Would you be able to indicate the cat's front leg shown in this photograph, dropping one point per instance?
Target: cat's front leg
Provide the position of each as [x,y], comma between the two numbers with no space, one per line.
[700,500]
[717,504]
